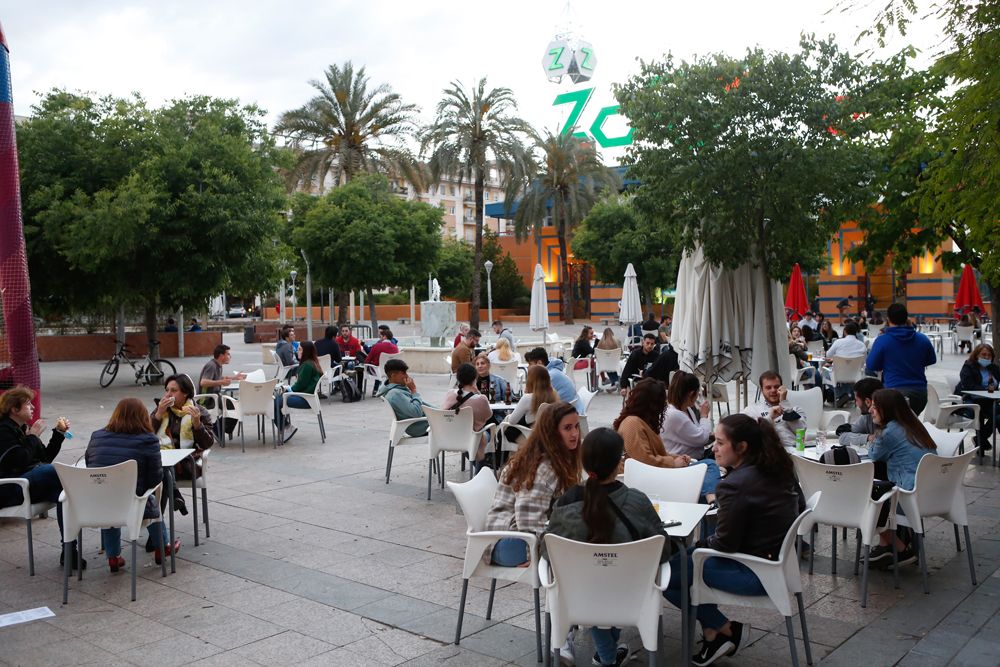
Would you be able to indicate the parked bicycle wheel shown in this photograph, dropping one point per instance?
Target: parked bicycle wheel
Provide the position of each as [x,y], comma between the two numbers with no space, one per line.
[110,371]
[154,373]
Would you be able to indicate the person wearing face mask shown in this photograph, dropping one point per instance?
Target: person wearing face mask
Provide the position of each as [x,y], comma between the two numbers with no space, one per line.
[979,372]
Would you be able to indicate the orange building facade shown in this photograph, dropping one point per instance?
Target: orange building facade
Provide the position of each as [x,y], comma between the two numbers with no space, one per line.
[927,289]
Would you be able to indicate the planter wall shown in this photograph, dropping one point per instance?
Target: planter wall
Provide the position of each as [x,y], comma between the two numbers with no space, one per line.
[87,347]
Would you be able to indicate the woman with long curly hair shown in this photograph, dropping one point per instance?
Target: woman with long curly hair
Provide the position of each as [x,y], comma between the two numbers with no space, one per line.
[640,422]
[538,473]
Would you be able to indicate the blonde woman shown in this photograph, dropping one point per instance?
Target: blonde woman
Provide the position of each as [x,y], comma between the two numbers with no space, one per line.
[537,390]
[608,342]
[503,352]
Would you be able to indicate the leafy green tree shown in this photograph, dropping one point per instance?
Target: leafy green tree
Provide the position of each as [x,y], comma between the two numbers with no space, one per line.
[614,233]
[508,284]
[361,236]
[190,210]
[455,268]
[348,128]
[473,131]
[569,181]
[757,158]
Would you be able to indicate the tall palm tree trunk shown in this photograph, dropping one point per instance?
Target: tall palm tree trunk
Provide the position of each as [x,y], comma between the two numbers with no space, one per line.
[477,282]
[565,293]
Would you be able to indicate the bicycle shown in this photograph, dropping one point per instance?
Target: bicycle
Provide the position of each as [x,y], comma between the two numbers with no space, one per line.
[147,371]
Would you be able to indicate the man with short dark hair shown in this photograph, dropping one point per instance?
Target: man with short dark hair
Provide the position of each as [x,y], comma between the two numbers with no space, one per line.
[638,360]
[560,381]
[385,327]
[902,353]
[774,406]
[650,324]
[862,429]
[466,352]
[327,345]
[504,332]
[809,321]
[848,347]
[383,346]
[400,392]
[349,345]
[212,380]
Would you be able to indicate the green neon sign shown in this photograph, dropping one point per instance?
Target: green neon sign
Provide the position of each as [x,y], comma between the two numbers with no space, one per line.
[579,99]
[557,52]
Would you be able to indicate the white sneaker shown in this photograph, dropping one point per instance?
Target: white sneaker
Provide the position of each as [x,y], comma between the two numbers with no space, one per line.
[567,652]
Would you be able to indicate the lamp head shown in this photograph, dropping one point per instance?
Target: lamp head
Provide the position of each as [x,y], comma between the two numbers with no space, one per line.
[293,274]
[488,265]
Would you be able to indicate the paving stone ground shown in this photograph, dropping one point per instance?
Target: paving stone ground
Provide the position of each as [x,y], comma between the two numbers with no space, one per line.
[314,560]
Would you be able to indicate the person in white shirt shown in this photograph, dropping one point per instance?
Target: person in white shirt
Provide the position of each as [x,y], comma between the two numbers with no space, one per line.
[686,430]
[808,321]
[848,347]
[773,406]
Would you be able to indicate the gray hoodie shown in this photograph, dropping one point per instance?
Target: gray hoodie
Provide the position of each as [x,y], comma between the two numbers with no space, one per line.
[861,428]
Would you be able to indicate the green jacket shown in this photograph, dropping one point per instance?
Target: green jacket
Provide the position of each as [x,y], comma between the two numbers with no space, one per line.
[307,378]
[566,519]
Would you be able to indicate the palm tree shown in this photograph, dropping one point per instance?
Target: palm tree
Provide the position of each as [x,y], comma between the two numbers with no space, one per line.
[570,180]
[348,129]
[472,131]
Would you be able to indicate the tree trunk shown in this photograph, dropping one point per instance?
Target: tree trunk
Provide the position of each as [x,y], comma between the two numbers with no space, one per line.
[342,309]
[371,310]
[565,293]
[770,333]
[150,319]
[477,264]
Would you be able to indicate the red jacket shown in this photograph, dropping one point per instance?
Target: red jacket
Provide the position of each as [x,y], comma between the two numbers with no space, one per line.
[349,347]
[383,346]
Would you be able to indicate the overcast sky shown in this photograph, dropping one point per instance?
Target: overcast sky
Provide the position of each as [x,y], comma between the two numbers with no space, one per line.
[266,51]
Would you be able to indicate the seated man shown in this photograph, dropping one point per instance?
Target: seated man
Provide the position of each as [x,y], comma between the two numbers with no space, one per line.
[400,392]
[848,347]
[385,327]
[22,455]
[328,345]
[464,353]
[286,349]
[638,360]
[666,363]
[212,380]
[383,346]
[349,345]
[650,324]
[862,430]
[560,381]
[773,406]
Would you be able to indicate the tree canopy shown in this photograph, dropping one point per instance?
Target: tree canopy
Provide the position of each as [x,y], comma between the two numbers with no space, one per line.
[456,267]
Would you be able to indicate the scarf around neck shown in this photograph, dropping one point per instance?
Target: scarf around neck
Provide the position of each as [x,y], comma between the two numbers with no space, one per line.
[185,433]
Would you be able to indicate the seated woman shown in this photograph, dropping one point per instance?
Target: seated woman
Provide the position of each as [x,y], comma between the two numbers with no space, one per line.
[538,473]
[466,394]
[537,390]
[597,511]
[492,386]
[608,342]
[901,441]
[310,373]
[639,425]
[503,352]
[22,455]
[129,437]
[828,334]
[979,372]
[797,348]
[687,431]
[758,502]
[583,346]
[180,423]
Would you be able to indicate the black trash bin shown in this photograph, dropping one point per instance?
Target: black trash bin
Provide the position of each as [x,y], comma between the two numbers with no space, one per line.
[248,334]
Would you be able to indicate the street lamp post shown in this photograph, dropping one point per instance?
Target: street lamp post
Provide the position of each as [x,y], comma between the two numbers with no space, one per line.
[294,273]
[488,265]
[309,309]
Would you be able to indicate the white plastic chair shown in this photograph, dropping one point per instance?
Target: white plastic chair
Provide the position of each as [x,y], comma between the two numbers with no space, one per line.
[314,406]
[938,491]
[256,399]
[607,361]
[810,400]
[508,444]
[377,371]
[679,485]
[508,371]
[605,585]
[580,376]
[201,482]
[964,335]
[450,432]
[796,375]
[583,398]
[398,436]
[475,497]
[948,443]
[816,349]
[100,498]
[875,329]
[845,370]
[943,414]
[25,511]
[280,371]
[846,502]
[780,578]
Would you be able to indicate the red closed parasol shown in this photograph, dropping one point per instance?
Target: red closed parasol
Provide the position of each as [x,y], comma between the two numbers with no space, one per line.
[968,292]
[796,302]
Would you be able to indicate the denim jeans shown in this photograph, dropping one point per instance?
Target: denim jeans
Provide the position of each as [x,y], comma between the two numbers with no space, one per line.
[721,573]
[712,476]
[293,402]
[44,486]
[916,397]
[606,643]
[111,538]
[510,552]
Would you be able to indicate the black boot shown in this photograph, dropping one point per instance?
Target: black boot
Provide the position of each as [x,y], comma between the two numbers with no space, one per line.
[76,560]
[179,503]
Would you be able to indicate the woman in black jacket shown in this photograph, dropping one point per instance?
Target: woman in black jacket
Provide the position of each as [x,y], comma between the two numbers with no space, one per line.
[980,371]
[758,502]
[129,437]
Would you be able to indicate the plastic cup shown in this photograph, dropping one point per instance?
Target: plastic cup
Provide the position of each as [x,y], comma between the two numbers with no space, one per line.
[800,439]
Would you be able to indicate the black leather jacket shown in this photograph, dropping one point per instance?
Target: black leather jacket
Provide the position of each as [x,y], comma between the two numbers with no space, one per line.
[20,451]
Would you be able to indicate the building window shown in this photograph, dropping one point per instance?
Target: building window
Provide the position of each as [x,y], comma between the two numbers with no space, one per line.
[452,210]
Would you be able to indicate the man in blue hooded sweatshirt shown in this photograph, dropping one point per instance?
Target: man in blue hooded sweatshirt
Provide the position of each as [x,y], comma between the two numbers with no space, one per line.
[902,353]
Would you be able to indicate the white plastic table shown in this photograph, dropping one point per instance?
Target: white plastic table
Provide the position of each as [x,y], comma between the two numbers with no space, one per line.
[993,397]
[168,459]
[689,515]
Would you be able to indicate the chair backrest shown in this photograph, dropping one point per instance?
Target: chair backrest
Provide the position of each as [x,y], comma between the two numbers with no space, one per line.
[384,357]
[603,584]
[257,398]
[874,329]
[450,432]
[475,497]
[938,484]
[508,371]
[98,497]
[965,334]
[584,397]
[846,489]
[810,400]
[210,402]
[932,412]
[848,369]
[607,360]
[324,361]
[815,347]
[579,375]
[680,485]
[256,375]
[793,367]
[947,441]
[787,556]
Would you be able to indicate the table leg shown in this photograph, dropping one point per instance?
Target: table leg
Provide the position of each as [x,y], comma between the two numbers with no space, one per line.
[685,607]
[170,502]
[994,434]
[194,498]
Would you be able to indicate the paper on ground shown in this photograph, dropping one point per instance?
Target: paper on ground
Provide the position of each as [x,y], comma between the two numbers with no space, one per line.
[25,616]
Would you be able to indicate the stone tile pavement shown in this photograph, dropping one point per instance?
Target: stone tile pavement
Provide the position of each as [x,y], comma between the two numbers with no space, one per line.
[314,560]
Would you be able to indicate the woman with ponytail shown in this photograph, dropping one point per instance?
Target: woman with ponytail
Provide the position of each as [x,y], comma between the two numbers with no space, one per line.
[605,511]
[467,394]
[759,499]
